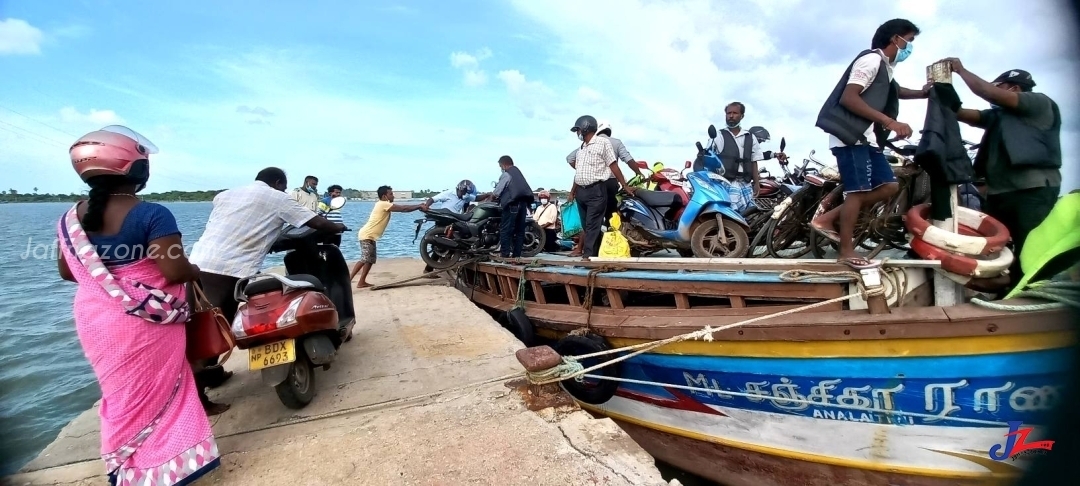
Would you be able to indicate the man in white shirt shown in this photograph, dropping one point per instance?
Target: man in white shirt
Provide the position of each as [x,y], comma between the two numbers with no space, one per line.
[308,194]
[242,227]
[858,116]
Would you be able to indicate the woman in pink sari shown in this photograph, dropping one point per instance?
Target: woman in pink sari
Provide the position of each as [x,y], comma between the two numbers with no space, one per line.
[130,309]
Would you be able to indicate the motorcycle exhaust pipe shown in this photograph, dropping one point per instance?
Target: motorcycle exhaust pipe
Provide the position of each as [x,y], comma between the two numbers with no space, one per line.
[444,241]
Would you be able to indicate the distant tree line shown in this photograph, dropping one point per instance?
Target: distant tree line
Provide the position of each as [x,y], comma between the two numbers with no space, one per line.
[14,196]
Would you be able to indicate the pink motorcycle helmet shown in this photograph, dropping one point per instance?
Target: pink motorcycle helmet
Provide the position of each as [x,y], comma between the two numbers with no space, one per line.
[113,150]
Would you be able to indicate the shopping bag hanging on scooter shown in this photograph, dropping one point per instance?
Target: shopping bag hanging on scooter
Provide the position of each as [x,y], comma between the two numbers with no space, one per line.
[571,219]
[614,244]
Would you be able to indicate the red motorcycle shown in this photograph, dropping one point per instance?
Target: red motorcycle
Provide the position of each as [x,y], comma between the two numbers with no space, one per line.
[294,323]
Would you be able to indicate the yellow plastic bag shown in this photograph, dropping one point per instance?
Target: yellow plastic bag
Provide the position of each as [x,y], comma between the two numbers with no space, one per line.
[614,244]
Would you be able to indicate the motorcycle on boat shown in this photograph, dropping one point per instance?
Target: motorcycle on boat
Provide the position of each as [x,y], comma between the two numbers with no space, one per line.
[705,226]
[290,324]
[459,236]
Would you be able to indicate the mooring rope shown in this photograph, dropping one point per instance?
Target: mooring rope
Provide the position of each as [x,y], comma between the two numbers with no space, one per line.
[573,369]
[590,289]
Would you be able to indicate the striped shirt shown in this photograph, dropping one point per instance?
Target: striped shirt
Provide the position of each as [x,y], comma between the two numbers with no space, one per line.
[592,161]
[243,226]
[331,215]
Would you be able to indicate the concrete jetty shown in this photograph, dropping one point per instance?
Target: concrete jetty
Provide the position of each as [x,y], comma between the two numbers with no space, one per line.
[414,399]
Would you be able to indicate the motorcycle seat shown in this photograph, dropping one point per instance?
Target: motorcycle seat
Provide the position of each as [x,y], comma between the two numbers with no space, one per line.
[277,282]
[447,212]
[657,199]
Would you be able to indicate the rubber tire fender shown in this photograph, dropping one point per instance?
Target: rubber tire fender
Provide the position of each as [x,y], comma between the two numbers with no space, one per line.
[520,326]
[591,393]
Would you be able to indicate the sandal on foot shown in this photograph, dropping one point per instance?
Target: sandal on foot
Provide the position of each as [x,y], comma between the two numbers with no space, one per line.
[829,234]
[859,263]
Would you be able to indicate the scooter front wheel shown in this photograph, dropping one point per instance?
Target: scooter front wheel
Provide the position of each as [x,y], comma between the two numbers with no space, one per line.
[298,389]
[706,242]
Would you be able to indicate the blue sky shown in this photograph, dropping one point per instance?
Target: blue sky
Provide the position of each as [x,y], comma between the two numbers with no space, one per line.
[422,94]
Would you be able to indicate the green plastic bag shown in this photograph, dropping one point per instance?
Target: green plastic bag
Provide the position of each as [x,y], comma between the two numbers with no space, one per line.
[571,219]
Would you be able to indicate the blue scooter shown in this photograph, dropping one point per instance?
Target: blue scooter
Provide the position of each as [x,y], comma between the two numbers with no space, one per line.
[705,227]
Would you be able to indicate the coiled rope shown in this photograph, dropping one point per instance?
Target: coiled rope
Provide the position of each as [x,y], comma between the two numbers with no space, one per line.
[1060,293]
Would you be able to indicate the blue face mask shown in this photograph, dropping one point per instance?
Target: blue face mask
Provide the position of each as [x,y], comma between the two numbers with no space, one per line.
[902,54]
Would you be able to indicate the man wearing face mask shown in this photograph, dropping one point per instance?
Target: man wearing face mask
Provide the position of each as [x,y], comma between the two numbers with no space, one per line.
[740,153]
[545,215]
[307,195]
[858,116]
[1020,152]
[595,163]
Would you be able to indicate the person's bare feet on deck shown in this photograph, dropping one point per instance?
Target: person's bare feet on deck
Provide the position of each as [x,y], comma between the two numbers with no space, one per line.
[362,285]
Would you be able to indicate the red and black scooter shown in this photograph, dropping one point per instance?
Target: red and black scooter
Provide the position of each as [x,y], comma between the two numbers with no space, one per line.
[294,323]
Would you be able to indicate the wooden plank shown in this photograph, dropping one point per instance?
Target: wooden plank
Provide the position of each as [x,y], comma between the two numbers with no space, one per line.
[682,301]
[514,287]
[737,301]
[572,295]
[712,289]
[615,299]
[538,292]
[491,284]
[665,263]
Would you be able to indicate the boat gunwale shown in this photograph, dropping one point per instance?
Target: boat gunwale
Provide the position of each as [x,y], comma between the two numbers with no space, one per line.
[964,320]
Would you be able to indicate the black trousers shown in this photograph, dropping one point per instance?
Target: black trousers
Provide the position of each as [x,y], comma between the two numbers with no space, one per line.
[1020,212]
[512,229]
[593,203]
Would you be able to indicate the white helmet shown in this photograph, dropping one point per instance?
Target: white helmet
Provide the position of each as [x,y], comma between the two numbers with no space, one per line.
[603,125]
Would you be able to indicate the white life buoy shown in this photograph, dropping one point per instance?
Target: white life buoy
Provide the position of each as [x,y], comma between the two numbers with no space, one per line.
[985,235]
[964,265]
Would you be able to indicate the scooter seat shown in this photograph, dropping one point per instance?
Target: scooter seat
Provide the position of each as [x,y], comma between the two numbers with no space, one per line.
[275,283]
[657,199]
[447,212]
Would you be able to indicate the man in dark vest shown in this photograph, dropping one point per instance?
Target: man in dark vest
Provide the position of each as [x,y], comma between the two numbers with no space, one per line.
[859,115]
[1020,153]
[740,151]
[514,195]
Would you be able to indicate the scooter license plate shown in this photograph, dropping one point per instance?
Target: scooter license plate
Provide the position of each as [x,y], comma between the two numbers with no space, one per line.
[273,354]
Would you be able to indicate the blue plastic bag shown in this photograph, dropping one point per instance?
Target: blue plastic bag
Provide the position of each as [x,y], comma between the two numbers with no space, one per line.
[571,219]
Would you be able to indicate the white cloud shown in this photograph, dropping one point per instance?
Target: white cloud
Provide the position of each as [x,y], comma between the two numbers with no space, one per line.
[17,36]
[469,64]
[779,57]
[588,96]
[534,98]
[69,114]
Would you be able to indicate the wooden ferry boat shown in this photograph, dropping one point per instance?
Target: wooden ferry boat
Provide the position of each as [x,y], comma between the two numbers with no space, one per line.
[910,388]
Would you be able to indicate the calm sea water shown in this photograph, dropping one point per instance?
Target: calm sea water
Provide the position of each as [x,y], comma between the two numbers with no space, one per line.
[45,381]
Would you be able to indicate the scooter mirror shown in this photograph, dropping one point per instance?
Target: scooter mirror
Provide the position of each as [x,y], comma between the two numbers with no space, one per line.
[493,184]
[337,202]
[642,164]
[783,144]
[688,164]
[712,131]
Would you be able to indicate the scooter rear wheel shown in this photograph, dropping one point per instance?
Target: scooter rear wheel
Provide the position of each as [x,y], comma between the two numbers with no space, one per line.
[706,244]
[298,389]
